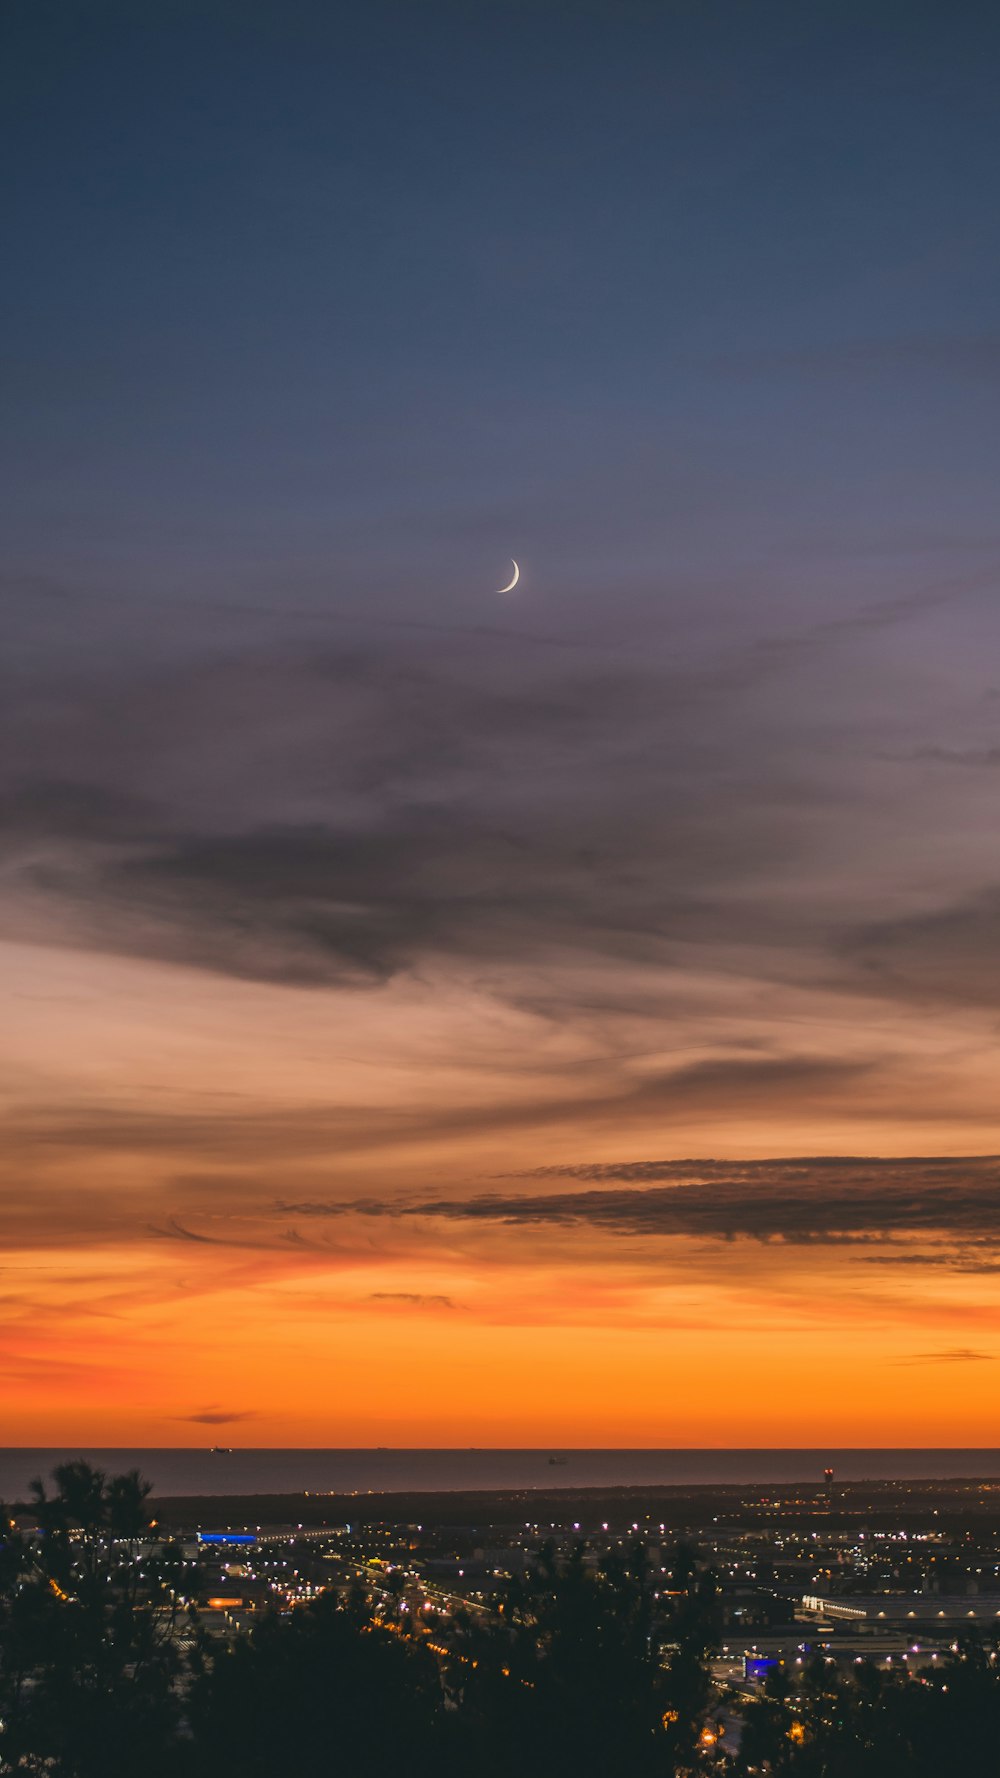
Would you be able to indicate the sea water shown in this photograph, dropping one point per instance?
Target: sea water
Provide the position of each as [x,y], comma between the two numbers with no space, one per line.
[276,1471]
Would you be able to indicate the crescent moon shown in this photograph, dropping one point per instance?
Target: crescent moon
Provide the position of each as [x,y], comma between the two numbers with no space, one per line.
[511,584]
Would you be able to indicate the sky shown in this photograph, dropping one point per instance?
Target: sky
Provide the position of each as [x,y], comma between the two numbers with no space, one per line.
[436,1016]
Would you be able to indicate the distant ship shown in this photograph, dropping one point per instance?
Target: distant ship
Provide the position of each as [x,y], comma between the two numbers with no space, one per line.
[221,1451]
[558,1459]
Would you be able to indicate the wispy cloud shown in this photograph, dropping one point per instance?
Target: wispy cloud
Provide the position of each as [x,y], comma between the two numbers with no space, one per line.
[412,1298]
[948,953]
[217,1416]
[952,1355]
[810,1201]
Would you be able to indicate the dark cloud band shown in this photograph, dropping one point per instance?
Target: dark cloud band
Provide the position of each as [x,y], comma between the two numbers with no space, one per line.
[826,1201]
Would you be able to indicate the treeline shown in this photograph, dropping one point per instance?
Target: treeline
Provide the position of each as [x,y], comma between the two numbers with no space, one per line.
[105,1672]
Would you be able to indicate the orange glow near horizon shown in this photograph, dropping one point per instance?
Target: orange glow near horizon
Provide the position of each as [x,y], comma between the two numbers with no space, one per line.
[187,1268]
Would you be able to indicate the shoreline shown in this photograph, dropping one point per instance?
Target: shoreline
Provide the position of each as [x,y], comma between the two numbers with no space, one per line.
[676,1506]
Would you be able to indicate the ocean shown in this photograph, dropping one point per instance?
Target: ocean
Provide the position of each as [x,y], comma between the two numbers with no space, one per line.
[247,1471]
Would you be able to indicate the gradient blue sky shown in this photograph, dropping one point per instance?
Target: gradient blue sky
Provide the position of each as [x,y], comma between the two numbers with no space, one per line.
[322,301]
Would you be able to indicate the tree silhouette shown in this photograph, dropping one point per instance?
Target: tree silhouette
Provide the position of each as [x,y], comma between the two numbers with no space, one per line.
[593,1668]
[88,1655]
[318,1692]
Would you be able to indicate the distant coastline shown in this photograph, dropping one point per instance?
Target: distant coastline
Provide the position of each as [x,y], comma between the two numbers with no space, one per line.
[955,1504]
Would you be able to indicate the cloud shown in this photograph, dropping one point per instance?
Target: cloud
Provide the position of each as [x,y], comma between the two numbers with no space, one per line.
[958,756]
[666,857]
[341,812]
[414,799]
[172,1230]
[809,1201]
[953,1355]
[980,1257]
[414,1298]
[951,953]
[291,1136]
[76,809]
[216,1417]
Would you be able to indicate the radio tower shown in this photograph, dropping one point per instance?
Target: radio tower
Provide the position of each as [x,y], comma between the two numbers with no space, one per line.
[828,1479]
